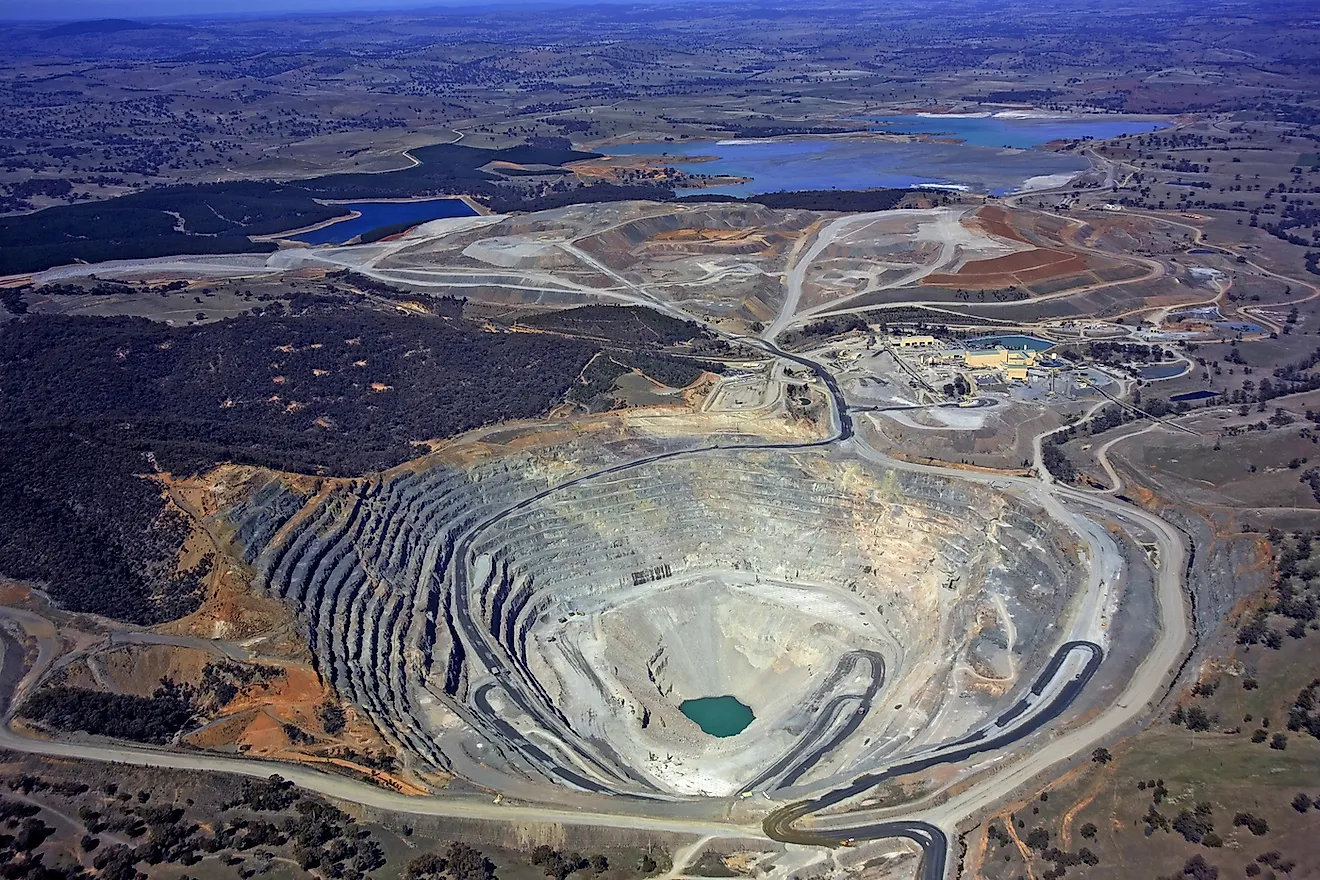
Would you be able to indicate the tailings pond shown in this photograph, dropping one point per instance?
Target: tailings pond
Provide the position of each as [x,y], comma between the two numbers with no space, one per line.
[718,716]
[991,154]
[374,215]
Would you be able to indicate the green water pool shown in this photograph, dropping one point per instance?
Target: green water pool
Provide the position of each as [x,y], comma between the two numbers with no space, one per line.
[718,716]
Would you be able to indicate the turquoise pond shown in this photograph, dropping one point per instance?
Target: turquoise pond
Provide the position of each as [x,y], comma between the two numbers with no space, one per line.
[718,716]
[374,215]
[979,163]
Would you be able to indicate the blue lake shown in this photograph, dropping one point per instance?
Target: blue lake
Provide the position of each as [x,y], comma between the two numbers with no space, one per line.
[378,214]
[980,163]
[1021,134]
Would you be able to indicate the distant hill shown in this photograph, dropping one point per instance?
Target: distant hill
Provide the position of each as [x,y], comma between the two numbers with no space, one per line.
[100,26]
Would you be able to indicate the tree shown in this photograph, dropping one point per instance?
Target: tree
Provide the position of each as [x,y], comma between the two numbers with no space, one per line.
[428,866]
[1252,822]
[1101,756]
[1196,868]
[1301,803]
[466,863]
[1037,839]
[332,717]
[1088,830]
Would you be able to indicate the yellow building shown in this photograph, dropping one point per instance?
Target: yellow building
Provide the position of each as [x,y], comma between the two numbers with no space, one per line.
[1013,363]
[914,341]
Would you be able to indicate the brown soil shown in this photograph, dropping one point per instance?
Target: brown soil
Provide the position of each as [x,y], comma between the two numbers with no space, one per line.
[996,221]
[138,669]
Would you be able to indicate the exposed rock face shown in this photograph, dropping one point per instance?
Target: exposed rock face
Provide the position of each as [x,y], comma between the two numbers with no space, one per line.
[465,602]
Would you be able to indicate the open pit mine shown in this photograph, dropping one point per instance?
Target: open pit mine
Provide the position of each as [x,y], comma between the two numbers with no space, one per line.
[525,614]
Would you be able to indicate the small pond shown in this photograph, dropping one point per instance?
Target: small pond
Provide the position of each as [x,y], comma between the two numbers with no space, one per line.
[1162,371]
[718,716]
[1194,395]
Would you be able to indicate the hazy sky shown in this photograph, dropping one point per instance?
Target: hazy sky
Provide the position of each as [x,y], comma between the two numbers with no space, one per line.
[85,9]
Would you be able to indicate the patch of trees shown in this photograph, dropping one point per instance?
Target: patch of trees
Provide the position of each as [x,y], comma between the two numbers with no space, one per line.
[269,795]
[597,380]
[507,199]
[1119,352]
[1038,841]
[1015,96]
[222,681]
[959,387]
[333,393]
[332,717]
[155,719]
[17,851]
[13,301]
[1292,595]
[100,288]
[1057,462]
[80,519]
[1198,825]
[445,169]
[1196,718]
[1196,868]
[560,865]
[1253,823]
[204,219]
[459,862]
[836,325]
[621,325]
[743,130]
[674,372]
[1302,714]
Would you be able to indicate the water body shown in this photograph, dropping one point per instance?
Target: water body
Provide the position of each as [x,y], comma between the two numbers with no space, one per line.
[718,716]
[1014,132]
[1193,395]
[1016,341]
[1239,327]
[1162,371]
[980,163]
[378,214]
